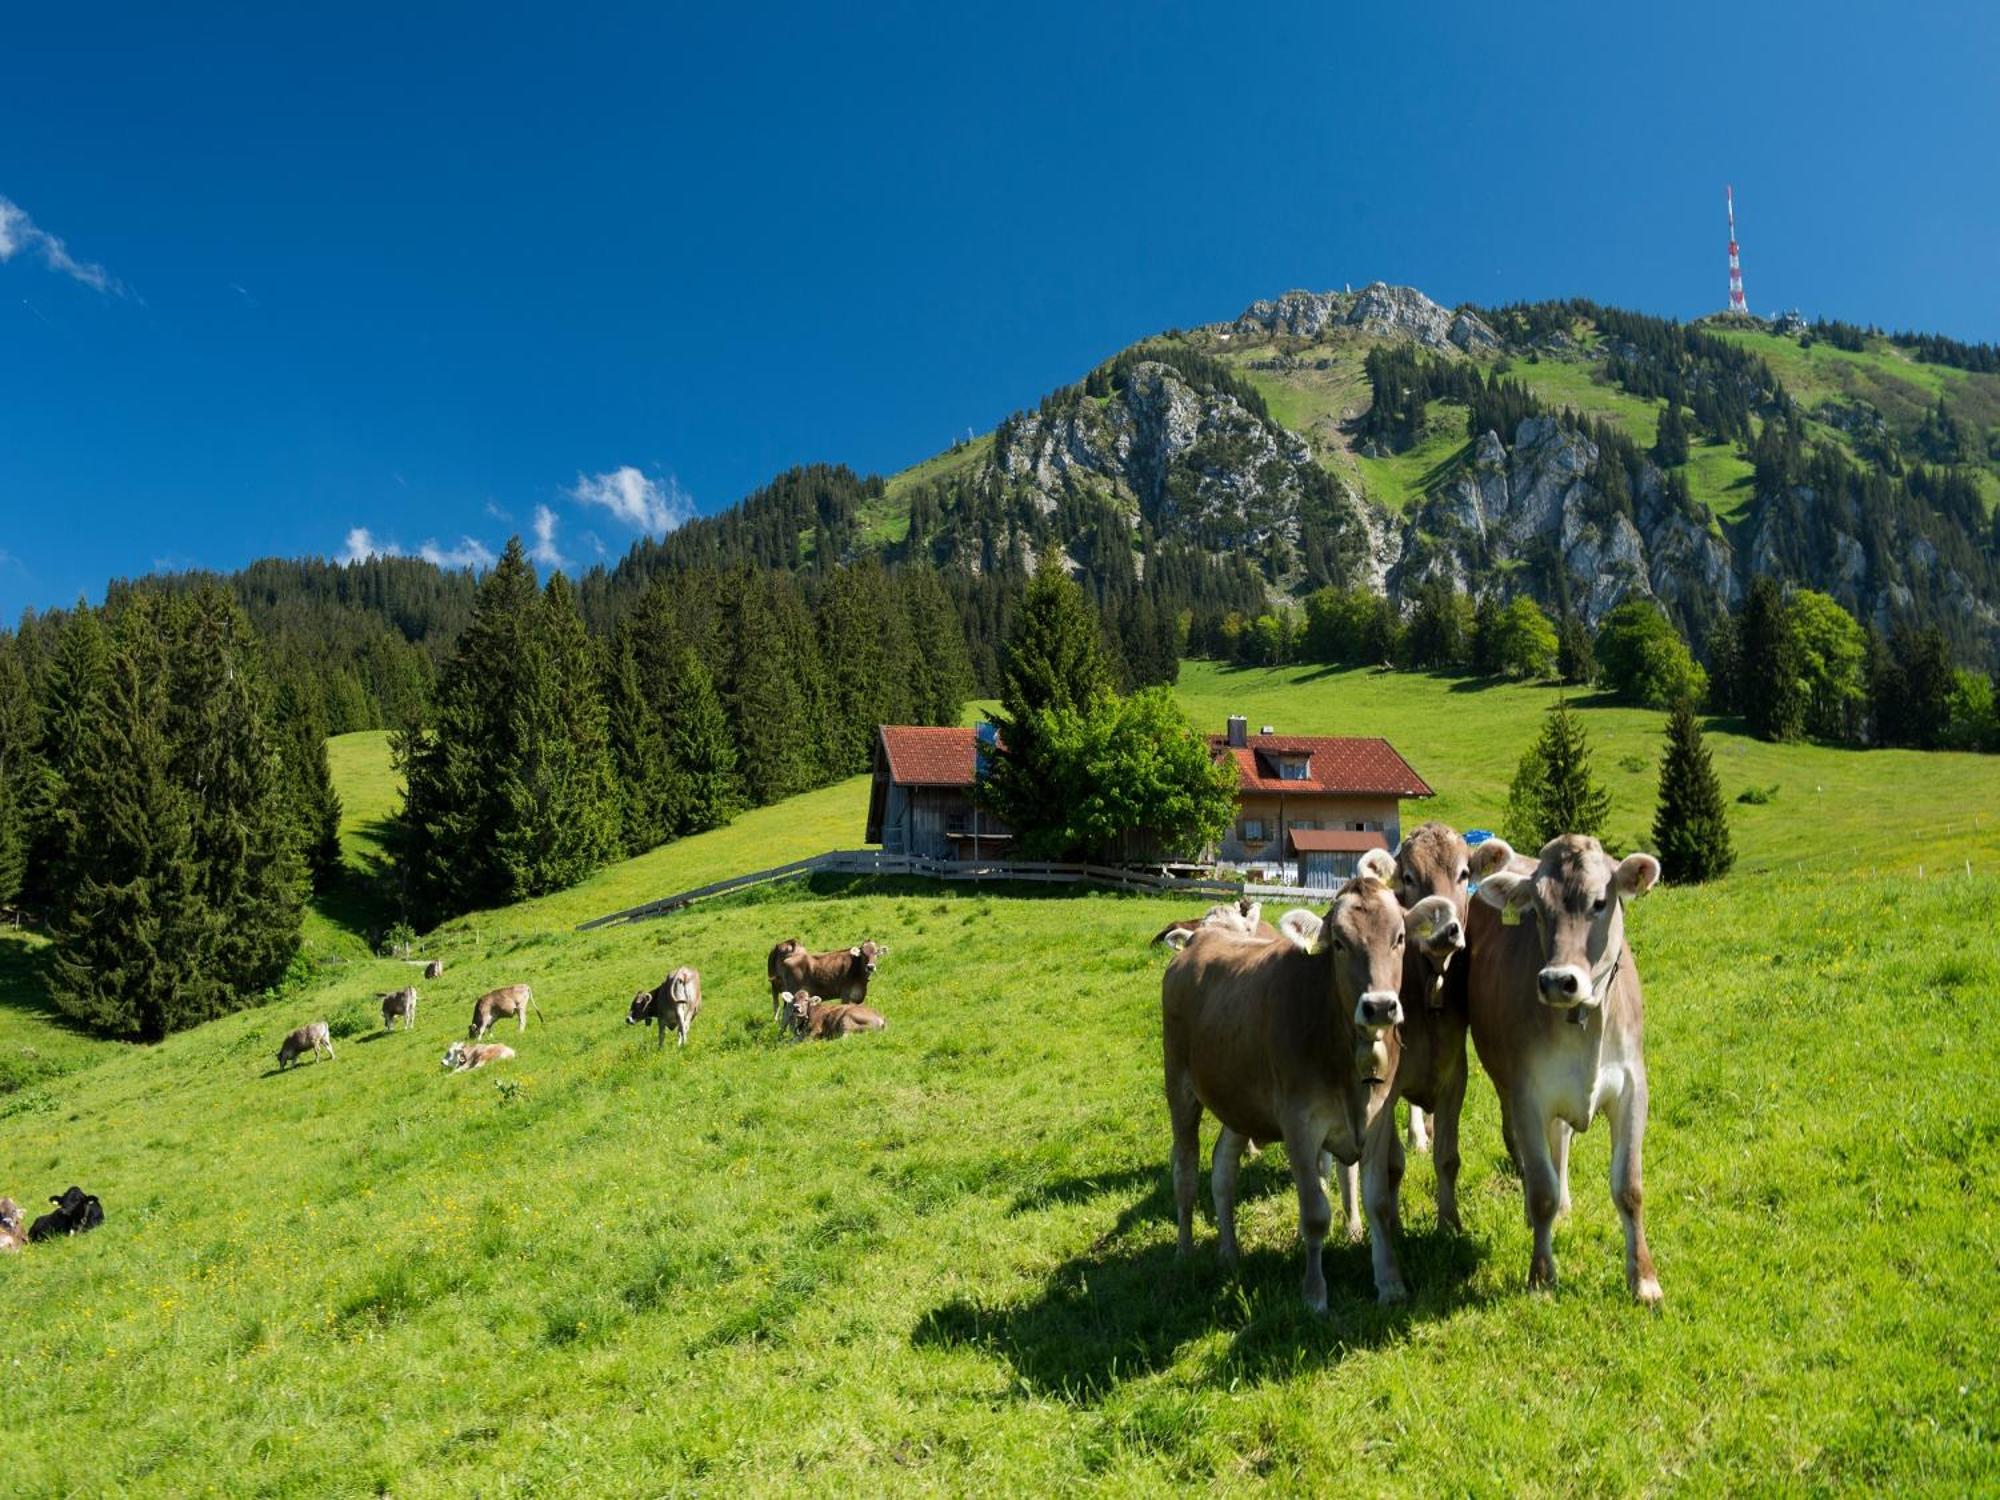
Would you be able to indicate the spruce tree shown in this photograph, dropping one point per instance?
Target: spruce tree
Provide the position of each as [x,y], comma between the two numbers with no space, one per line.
[1487,630]
[941,672]
[778,704]
[19,730]
[566,823]
[1576,659]
[869,658]
[1671,447]
[646,789]
[244,836]
[1553,792]
[1054,666]
[77,678]
[1769,683]
[701,749]
[1691,826]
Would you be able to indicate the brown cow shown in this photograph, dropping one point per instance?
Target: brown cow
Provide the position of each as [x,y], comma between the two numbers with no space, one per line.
[808,1018]
[399,1003]
[1284,1044]
[463,1057]
[13,1233]
[434,969]
[509,1000]
[840,975]
[682,992]
[1559,1021]
[308,1038]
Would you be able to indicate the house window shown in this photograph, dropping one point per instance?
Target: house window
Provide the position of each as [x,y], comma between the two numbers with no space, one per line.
[1251,830]
[1293,769]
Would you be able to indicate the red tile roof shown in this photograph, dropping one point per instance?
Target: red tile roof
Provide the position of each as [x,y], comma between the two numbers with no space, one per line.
[921,755]
[1355,767]
[1333,840]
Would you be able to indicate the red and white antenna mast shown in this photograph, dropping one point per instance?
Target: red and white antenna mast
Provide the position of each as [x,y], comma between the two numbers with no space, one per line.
[1736,302]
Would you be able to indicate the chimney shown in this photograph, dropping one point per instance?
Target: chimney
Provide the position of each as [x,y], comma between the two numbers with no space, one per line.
[1239,731]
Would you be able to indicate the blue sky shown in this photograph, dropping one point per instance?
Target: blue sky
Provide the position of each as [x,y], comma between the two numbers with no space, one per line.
[268,279]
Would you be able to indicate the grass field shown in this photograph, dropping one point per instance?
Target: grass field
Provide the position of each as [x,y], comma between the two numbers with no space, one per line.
[940,1259]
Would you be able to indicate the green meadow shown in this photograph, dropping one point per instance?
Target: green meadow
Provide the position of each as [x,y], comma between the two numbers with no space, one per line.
[940,1259]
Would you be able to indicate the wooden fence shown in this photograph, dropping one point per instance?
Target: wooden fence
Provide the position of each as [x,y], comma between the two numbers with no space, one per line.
[875,862]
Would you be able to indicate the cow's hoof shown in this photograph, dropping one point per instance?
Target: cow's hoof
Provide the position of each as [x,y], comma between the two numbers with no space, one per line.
[1316,1304]
[1226,1254]
[1391,1293]
[1648,1292]
[1449,1224]
[1356,1232]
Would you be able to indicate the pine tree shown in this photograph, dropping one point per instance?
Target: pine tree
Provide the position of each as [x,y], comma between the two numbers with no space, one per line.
[869,656]
[1576,660]
[1486,635]
[941,673]
[568,825]
[19,731]
[1671,447]
[301,733]
[777,705]
[1553,792]
[1691,827]
[1769,683]
[77,678]
[701,749]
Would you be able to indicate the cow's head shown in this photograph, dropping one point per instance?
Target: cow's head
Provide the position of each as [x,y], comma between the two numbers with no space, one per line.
[454,1055]
[1433,882]
[1575,895]
[642,1008]
[868,955]
[10,1216]
[1362,935]
[797,1011]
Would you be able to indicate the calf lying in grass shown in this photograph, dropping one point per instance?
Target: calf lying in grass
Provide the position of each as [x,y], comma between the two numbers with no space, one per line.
[463,1057]
[807,1017]
[12,1235]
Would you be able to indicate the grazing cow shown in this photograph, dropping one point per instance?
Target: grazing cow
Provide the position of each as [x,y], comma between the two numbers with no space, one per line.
[1284,1044]
[839,975]
[308,1038]
[401,1003]
[808,1018]
[12,1234]
[509,1000]
[1240,916]
[463,1057]
[75,1212]
[434,969]
[1559,1021]
[682,1004]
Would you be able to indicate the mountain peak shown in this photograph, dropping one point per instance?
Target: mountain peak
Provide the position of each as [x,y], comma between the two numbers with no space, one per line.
[1393,311]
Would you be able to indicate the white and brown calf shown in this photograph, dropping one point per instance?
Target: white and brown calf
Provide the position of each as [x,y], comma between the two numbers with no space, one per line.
[675,1002]
[463,1057]
[1559,1020]
[809,1018]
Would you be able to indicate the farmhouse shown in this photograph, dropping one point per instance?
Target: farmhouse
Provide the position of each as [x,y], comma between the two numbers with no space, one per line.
[1307,806]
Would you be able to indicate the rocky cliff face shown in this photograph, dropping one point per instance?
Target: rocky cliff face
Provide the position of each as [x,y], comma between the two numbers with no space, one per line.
[1526,512]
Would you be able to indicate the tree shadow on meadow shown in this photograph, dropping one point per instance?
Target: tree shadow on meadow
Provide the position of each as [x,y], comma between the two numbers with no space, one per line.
[360,898]
[1128,1305]
[24,984]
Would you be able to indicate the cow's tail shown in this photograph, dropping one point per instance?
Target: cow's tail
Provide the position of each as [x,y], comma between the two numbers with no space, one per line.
[535,1004]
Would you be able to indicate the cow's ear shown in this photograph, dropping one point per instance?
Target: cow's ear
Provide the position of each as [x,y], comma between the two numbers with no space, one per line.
[855,951]
[1494,854]
[1302,927]
[1637,874]
[1507,892]
[1377,864]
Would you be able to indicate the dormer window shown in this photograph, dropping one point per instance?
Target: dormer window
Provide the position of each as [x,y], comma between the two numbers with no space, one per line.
[1294,768]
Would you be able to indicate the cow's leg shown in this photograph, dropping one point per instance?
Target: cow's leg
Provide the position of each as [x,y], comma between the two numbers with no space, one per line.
[1315,1213]
[1348,1175]
[1184,1114]
[682,1017]
[1381,1189]
[1420,1139]
[1222,1179]
[1559,1134]
[1541,1189]
[521,1015]
[1444,1155]
[1628,1132]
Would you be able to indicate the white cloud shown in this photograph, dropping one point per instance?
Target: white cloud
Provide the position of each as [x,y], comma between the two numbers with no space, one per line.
[545,550]
[18,232]
[469,553]
[361,545]
[638,500]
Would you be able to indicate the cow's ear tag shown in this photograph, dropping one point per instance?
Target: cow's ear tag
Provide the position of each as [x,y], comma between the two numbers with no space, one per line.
[1509,917]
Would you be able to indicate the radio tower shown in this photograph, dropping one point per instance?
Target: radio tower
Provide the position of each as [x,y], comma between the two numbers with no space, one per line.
[1736,302]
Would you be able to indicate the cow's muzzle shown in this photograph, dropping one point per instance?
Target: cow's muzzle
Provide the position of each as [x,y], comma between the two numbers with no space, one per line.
[1563,986]
[1378,1009]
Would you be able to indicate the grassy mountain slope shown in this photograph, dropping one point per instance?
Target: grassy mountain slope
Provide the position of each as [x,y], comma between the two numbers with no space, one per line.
[940,1258]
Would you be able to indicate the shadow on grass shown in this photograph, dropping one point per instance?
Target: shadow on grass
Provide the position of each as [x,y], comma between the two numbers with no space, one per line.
[1117,1312]
[358,899]
[24,985]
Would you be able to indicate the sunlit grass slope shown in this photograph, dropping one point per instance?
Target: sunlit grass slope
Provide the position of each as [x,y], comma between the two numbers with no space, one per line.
[940,1259]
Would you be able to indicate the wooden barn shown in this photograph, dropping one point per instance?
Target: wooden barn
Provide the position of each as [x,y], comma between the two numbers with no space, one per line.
[920,801]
